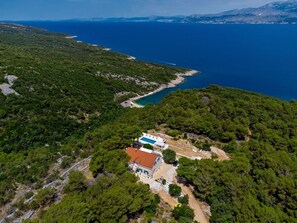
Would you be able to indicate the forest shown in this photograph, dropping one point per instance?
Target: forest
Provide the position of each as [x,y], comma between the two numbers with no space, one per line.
[66,110]
[257,185]
[115,197]
[64,86]
[65,90]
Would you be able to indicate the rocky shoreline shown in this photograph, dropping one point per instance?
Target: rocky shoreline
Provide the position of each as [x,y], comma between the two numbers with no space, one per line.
[180,78]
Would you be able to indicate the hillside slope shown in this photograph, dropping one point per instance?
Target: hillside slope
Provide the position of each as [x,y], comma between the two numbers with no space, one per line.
[53,90]
[258,184]
[63,86]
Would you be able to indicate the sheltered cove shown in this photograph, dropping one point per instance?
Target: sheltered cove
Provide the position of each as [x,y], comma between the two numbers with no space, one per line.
[180,78]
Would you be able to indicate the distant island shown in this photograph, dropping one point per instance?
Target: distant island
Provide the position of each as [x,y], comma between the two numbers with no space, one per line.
[282,12]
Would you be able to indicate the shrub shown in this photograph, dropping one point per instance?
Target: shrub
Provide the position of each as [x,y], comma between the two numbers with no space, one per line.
[66,162]
[45,197]
[52,178]
[203,146]
[29,194]
[77,182]
[184,200]
[230,147]
[157,198]
[183,214]
[169,156]
[173,133]
[174,190]
[152,209]
[33,205]
[148,146]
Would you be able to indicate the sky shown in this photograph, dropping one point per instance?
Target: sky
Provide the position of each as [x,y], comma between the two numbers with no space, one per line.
[70,9]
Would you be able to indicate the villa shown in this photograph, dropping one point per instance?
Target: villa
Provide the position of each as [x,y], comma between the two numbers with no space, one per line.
[153,140]
[144,160]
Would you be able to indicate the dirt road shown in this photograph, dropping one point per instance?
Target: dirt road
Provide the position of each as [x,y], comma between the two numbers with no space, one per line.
[168,172]
[195,205]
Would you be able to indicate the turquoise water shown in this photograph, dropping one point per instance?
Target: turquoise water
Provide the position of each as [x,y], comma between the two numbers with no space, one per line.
[148,140]
[259,58]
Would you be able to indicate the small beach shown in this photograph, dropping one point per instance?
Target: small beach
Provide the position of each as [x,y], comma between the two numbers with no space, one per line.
[71,37]
[180,78]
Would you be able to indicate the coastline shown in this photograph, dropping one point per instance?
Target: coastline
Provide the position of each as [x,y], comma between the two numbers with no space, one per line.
[131,103]
[180,78]
[71,37]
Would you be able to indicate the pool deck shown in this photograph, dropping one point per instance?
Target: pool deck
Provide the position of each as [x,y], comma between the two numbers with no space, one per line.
[147,140]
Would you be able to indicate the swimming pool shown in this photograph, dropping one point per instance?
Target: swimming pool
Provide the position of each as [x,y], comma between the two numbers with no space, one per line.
[150,141]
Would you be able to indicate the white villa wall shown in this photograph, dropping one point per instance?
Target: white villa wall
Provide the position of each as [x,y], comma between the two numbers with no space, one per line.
[153,170]
[157,164]
[160,143]
[150,151]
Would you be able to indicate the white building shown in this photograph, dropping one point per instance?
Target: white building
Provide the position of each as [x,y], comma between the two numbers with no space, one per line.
[153,140]
[144,161]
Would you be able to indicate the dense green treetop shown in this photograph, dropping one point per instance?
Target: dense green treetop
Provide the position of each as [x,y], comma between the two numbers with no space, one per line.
[183,214]
[228,114]
[64,86]
[174,190]
[259,133]
[76,182]
[259,183]
[169,156]
[114,197]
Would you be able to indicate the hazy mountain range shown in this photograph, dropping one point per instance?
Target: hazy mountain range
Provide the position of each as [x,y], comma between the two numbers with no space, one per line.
[283,12]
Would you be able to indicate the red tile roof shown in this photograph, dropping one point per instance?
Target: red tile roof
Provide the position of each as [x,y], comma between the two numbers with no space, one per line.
[142,158]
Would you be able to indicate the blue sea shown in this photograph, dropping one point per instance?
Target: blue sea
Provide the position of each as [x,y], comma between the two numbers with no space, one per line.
[259,58]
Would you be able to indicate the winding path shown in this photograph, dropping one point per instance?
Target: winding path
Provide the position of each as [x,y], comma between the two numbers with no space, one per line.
[194,204]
